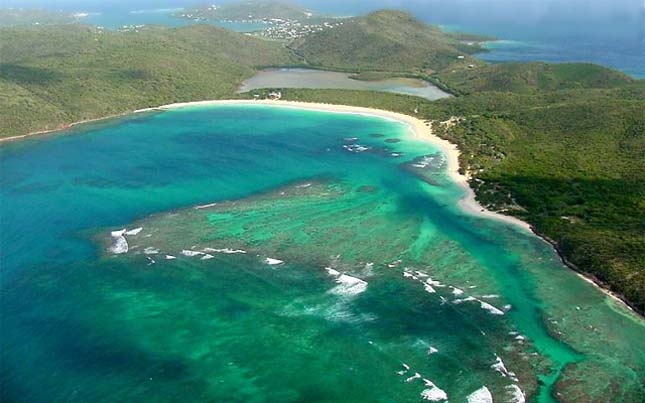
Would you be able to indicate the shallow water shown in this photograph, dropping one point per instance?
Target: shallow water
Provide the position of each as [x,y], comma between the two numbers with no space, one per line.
[380,269]
[319,79]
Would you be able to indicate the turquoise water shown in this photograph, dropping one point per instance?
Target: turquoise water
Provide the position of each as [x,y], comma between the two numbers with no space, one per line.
[115,18]
[379,269]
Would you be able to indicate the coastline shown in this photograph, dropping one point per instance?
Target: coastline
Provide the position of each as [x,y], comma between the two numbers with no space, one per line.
[419,129]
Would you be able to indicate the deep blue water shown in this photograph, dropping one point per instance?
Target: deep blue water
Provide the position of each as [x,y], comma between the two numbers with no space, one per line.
[611,33]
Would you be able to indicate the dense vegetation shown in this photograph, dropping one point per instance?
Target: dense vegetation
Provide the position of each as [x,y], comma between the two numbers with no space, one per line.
[17,16]
[570,162]
[533,77]
[56,75]
[560,146]
[385,41]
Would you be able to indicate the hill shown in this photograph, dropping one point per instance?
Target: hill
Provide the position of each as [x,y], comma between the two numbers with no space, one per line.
[531,77]
[51,76]
[569,162]
[384,41]
[10,17]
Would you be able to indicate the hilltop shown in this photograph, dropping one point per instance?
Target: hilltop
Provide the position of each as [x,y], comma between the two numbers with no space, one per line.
[55,75]
[385,41]
[534,77]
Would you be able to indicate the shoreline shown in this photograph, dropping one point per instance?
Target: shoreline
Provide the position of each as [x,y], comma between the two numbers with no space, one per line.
[418,127]
[468,203]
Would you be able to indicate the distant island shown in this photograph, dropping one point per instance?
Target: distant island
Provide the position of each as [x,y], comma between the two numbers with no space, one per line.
[556,145]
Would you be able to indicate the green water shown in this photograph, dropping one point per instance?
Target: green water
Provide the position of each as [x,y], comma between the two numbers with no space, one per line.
[379,269]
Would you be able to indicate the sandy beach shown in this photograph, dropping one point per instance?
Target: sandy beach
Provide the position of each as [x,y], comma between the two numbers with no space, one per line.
[417,126]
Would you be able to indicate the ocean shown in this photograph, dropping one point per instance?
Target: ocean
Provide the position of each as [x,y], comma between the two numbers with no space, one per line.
[610,33]
[260,253]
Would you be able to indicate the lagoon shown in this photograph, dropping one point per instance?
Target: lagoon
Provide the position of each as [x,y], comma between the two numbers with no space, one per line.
[282,254]
[320,79]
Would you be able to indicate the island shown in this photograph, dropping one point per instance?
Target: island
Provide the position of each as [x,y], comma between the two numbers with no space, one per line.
[551,148]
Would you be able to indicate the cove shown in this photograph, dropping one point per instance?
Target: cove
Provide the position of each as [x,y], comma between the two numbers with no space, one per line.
[385,290]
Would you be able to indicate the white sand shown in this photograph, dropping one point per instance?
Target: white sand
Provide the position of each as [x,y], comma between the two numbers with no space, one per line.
[418,128]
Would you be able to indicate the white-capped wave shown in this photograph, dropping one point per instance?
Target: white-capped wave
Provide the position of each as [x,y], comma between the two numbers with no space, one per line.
[207,257]
[227,251]
[150,251]
[191,253]
[515,394]
[119,243]
[170,257]
[273,262]
[332,272]
[499,366]
[118,233]
[481,395]
[134,231]
[349,285]
[432,392]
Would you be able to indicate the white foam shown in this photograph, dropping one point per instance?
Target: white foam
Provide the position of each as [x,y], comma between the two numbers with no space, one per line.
[484,305]
[205,206]
[516,394]
[432,350]
[481,395]
[150,260]
[349,285]
[490,296]
[134,231]
[413,377]
[119,243]
[406,366]
[116,234]
[420,273]
[227,251]
[490,308]
[150,251]
[429,288]
[170,257]
[191,253]
[462,300]
[501,368]
[207,257]
[433,393]
[434,283]
[456,291]
[332,272]
[273,262]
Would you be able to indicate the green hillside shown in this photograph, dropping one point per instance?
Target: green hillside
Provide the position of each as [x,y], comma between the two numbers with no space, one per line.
[531,77]
[56,75]
[10,17]
[569,162]
[384,41]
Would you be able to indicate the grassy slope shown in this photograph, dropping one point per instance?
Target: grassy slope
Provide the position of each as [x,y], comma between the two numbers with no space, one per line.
[533,77]
[383,41]
[15,16]
[572,159]
[55,75]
